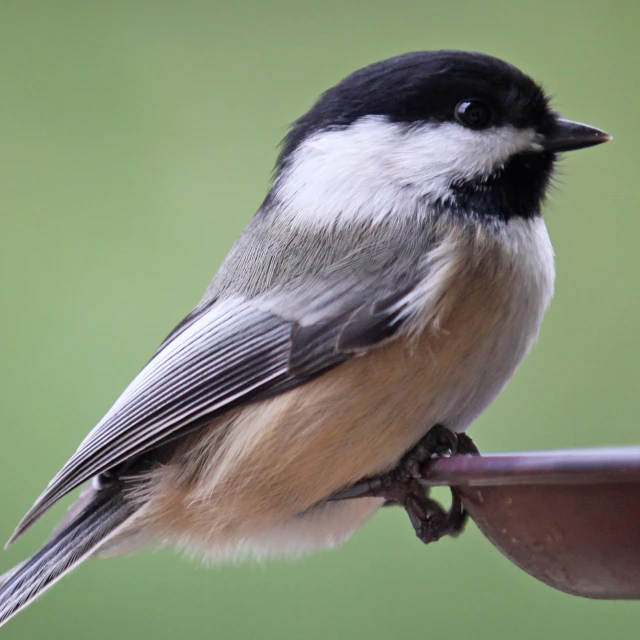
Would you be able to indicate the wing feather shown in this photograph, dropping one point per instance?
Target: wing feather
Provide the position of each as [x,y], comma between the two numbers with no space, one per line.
[231,353]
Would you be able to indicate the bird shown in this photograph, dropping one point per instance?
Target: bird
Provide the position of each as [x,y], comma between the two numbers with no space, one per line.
[390,283]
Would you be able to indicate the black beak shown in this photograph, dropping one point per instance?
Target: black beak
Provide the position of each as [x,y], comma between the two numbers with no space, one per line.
[569,136]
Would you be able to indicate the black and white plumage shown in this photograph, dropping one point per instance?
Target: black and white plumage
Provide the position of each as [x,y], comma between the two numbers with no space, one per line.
[394,278]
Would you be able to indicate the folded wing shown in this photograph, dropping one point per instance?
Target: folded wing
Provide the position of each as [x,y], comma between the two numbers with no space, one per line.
[233,352]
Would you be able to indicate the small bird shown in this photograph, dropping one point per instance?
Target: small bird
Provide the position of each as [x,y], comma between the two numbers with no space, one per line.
[392,281]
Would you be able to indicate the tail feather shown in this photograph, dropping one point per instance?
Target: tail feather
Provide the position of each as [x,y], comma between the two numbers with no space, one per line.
[96,523]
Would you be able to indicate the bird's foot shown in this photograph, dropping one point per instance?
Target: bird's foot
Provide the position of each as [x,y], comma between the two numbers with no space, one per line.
[403,486]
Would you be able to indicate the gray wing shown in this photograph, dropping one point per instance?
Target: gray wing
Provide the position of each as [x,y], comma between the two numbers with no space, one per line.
[228,354]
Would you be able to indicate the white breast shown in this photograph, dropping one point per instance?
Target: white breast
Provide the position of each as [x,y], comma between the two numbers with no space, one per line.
[520,289]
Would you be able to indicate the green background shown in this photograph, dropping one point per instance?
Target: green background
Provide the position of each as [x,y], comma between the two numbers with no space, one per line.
[136,141]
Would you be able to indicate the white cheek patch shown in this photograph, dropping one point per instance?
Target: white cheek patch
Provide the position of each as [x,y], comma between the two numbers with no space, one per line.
[375,168]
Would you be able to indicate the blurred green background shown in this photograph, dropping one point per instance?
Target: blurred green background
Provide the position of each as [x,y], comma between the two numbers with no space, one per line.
[136,141]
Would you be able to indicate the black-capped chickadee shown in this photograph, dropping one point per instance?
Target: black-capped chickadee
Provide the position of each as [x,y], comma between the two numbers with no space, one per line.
[393,279]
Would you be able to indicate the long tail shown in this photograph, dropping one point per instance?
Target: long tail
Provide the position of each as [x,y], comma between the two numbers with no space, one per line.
[67,548]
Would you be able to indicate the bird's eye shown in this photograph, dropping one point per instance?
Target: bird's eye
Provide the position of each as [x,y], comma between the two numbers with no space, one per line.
[473,114]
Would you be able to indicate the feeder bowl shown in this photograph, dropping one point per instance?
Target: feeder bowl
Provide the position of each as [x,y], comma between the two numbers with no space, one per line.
[569,518]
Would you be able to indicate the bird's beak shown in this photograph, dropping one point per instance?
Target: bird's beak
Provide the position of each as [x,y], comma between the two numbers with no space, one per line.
[569,136]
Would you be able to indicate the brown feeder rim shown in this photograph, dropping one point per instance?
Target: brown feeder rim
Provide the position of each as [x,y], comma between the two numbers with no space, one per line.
[560,466]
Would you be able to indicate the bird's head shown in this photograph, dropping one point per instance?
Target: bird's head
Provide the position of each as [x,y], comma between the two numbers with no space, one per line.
[431,130]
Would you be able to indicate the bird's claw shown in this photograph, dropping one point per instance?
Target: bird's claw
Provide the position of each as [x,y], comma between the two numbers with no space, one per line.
[403,486]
